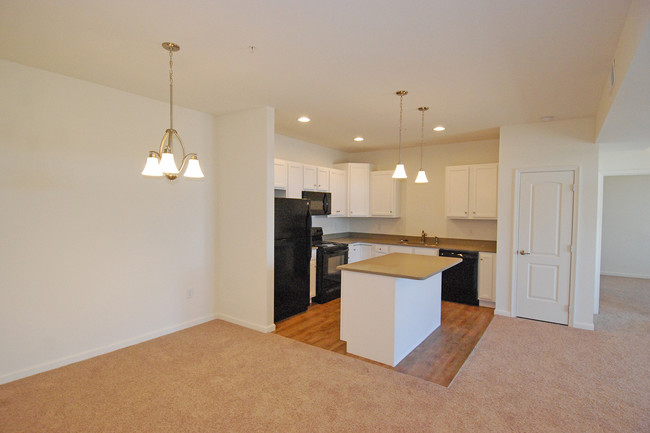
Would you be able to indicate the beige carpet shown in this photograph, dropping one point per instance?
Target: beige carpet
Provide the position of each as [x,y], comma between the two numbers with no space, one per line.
[624,306]
[523,376]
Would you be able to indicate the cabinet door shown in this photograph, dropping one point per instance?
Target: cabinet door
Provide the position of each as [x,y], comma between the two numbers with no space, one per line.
[457,191]
[359,190]
[312,275]
[323,179]
[483,191]
[310,179]
[383,194]
[294,180]
[339,189]
[378,250]
[365,251]
[280,174]
[354,253]
[486,276]
[426,251]
[400,249]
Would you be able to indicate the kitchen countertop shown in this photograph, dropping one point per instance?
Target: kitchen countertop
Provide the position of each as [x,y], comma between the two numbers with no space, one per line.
[415,241]
[399,265]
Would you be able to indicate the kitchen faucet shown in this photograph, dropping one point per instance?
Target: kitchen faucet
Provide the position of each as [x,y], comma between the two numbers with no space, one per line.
[424,237]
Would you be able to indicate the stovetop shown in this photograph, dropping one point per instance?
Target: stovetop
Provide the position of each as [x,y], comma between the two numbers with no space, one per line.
[325,244]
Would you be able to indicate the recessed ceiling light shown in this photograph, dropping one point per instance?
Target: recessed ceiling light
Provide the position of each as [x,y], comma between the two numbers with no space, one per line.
[546,118]
[439,128]
[358,138]
[304,119]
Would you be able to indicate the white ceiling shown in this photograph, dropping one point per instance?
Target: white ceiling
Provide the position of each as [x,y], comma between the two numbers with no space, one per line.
[478,64]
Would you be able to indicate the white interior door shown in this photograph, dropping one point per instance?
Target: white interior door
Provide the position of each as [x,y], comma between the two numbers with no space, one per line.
[544,245]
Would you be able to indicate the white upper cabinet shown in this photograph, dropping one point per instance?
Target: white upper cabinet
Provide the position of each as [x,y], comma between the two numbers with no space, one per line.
[310,177]
[483,187]
[471,191]
[358,176]
[315,178]
[280,174]
[294,179]
[384,194]
[339,190]
[322,179]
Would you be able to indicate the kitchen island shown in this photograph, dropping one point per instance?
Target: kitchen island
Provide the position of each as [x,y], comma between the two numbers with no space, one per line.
[390,304]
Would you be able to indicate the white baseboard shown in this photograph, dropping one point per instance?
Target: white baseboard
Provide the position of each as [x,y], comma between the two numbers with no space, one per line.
[488,304]
[246,324]
[619,274]
[50,365]
[583,325]
[502,313]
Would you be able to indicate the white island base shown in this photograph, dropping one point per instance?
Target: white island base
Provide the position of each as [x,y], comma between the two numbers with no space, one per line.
[390,304]
[385,318]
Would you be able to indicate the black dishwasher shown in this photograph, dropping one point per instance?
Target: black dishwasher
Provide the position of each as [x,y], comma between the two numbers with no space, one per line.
[459,283]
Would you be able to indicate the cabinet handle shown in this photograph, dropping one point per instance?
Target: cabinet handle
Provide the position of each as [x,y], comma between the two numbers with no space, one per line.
[465,212]
[474,212]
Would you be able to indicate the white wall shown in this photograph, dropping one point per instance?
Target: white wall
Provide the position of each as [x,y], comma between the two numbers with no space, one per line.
[423,205]
[244,234]
[94,255]
[625,229]
[565,143]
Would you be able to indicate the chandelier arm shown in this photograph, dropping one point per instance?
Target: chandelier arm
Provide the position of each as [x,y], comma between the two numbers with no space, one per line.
[162,143]
[185,155]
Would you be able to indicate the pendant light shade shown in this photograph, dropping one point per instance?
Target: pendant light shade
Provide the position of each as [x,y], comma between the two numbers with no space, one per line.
[152,167]
[400,172]
[167,163]
[422,176]
[193,169]
[163,162]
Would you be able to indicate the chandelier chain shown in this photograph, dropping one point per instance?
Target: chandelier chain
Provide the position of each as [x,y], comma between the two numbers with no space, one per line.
[421,139]
[401,99]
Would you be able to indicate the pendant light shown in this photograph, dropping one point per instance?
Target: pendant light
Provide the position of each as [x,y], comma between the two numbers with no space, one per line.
[422,176]
[163,162]
[400,173]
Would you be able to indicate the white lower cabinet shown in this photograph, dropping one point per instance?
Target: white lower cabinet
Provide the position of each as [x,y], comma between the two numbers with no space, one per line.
[400,249]
[359,252]
[486,276]
[312,274]
[379,250]
[426,251]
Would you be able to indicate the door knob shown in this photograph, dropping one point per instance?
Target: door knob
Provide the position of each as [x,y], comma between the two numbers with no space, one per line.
[523,253]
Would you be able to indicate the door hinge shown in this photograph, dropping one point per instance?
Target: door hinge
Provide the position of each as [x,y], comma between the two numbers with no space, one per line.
[572,187]
[571,249]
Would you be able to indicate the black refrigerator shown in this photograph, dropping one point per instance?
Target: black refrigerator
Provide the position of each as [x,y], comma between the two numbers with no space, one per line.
[292,256]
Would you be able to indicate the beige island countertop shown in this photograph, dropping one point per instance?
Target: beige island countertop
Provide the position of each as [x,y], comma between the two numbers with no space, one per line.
[399,265]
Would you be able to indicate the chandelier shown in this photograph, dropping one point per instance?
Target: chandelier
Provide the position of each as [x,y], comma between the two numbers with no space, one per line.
[163,163]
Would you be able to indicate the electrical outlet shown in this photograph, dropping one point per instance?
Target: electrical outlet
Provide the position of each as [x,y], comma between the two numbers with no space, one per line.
[189,293]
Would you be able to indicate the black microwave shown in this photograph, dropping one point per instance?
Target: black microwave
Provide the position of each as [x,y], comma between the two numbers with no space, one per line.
[320,202]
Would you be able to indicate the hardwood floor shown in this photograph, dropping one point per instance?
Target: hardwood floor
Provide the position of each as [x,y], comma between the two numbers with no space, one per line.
[437,359]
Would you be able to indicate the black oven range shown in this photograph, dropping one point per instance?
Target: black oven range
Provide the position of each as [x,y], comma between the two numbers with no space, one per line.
[329,255]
